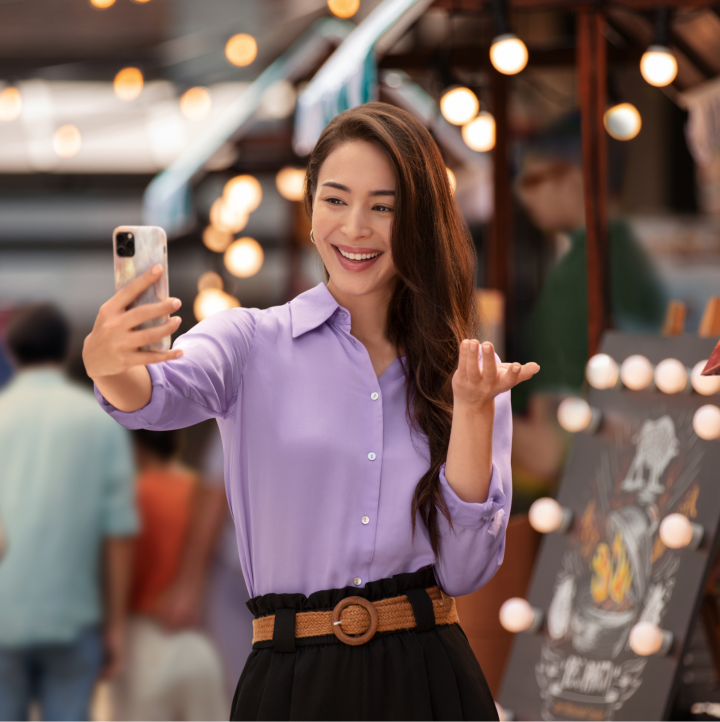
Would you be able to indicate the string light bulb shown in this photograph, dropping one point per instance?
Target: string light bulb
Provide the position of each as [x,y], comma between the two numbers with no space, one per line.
[647,638]
[128,83]
[602,372]
[10,104]
[508,54]
[479,134]
[546,516]
[636,372]
[241,49]
[658,66]
[227,219]
[704,385]
[459,105]
[67,141]
[210,279]
[195,103]
[216,239]
[243,192]
[671,376]
[678,532]
[290,183]
[623,121]
[102,4]
[575,415]
[517,615]
[343,8]
[244,257]
[212,300]
[706,422]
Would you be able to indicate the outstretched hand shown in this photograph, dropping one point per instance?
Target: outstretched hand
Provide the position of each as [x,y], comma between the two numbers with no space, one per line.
[474,386]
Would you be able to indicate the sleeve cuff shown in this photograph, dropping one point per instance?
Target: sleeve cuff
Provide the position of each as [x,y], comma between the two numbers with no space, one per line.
[146,416]
[472,514]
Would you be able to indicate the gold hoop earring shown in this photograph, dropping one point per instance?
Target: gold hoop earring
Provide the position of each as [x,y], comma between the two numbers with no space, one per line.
[311,236]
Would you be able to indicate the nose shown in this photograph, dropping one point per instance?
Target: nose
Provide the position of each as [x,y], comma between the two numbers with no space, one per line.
[356,224]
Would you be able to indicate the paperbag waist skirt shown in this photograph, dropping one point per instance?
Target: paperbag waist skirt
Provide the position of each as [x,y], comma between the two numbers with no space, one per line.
[400,675]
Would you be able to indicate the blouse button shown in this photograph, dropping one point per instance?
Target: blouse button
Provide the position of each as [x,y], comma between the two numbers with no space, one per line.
[372,456]
[365,520]
[374,395]
[357,581]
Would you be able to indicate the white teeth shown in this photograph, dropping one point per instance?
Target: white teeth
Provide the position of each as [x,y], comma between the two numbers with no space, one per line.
[358,256]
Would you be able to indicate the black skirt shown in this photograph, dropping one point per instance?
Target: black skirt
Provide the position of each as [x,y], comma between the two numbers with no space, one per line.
[403,675]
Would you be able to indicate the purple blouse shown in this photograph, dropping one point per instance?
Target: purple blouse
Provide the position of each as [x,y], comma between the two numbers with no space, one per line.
[320,462]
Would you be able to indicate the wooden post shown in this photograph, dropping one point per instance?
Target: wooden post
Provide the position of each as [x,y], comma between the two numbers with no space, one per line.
[592,78]
[498,248]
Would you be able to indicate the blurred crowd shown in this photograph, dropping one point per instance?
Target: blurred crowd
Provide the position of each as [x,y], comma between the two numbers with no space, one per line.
[118,564]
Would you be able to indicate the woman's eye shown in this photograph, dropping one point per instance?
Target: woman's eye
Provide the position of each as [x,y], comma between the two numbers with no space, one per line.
[333,201]
[384,209]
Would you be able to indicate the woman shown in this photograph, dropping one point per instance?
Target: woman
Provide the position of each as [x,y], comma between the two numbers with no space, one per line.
[366,457]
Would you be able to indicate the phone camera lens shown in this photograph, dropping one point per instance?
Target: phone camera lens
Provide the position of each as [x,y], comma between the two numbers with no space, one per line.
[125,245]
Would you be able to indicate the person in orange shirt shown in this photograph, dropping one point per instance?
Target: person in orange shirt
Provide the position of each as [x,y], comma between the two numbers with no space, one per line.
[172,673]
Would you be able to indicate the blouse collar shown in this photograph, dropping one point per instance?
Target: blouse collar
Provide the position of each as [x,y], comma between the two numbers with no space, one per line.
[312,309]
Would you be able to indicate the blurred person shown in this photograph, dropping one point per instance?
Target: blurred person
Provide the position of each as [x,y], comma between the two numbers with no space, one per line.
[173,671]
[550,187]
[66,502]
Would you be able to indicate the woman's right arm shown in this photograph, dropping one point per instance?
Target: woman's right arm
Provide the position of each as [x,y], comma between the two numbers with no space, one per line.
[111,352]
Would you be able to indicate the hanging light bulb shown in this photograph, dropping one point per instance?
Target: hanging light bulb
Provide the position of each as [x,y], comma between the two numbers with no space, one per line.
[602,371]
[290,183]
[210,279]
[636,372]
[195,103]
[517,615]
[575,415]
[217,240]
[623,121]
[658,64]
[706,422]
[128,84]
[67,141]
[213,300]
[508,54]
[241,49]
[647,638]
[227,219]
[452,179]
[10,104]
[678,532]
[671,376]
[242,193]
[479,134]
[705,385]
[244,257]
[102,4]
[546,515]
[459,105]
[343,8]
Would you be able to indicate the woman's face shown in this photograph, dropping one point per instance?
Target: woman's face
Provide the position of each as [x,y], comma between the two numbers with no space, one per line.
[352,218]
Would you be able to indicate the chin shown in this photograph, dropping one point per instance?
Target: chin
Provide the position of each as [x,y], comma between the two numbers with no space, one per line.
[359,284]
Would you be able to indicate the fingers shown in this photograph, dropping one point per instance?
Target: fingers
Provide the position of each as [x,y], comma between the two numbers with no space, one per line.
[489,371]
[474,374]
[144,358]
[148,335]
[135,316]
[515,374]
[126,295]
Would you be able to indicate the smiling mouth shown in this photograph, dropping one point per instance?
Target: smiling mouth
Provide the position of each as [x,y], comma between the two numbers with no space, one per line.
[357,257]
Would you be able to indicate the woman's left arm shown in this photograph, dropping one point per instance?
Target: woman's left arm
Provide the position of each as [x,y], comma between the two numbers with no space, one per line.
[476,479]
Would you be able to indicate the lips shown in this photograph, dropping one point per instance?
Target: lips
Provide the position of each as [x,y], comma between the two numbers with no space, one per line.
[361,258]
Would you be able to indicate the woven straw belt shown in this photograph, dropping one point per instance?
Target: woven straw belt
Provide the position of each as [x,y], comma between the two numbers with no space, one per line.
[355,620]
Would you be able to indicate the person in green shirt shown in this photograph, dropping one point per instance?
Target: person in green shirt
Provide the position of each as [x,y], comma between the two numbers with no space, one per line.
[550,187]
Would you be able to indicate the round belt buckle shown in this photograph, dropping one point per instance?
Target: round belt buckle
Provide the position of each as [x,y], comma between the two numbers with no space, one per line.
[337,623]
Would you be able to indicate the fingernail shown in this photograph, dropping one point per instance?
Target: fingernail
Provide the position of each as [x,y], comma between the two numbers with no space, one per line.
[176,320]
[176,304]
[178,354]
[157,268]
[487,347]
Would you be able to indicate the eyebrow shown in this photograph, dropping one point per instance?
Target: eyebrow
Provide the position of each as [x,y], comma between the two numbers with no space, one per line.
[341,187]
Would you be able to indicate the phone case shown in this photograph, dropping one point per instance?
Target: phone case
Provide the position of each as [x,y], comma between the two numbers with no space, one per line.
[150,249]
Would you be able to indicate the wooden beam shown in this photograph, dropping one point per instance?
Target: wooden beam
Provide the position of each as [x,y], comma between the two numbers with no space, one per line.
[592,81]
[497,256]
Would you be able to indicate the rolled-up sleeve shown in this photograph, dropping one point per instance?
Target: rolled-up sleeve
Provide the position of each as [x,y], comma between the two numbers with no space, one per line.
[201,384]
[473,549]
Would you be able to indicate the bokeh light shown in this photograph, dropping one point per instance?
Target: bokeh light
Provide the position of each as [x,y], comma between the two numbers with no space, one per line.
[196,103]
[623,121]
[279,100]
[128,84]
[658,66]
[227,219]
[290,182]
[343,8]
[479,134]
[242,193]
[241,49]
[67,141]
[10,104]
[508,54]
[102,4]
[210,279]
[213,300]
[244,257]
[459,106]
[217,240]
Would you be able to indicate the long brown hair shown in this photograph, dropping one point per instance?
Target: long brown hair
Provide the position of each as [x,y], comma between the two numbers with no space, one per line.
[432,308]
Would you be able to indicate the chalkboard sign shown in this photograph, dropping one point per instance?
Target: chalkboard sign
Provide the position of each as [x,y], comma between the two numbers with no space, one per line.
[611,570]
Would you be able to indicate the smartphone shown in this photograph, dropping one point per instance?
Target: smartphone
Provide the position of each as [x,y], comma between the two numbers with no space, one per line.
[135,250]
